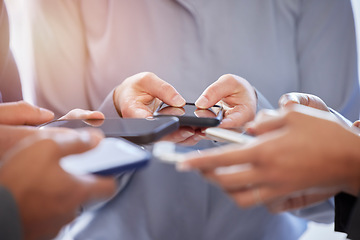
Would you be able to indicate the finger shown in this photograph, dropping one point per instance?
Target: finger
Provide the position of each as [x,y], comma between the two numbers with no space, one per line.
[302,99]
[136,110]
[235,88]
[22,113]
[248,197]
[235,181]
[158,88]
[214,158]
[83,114]
[266,121]
[12,135]
[237,117]
[288,203]
[72,141]
[356,124]
[256,195]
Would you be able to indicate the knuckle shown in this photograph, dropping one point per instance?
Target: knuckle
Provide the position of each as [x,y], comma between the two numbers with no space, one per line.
[148,75]
[291,115]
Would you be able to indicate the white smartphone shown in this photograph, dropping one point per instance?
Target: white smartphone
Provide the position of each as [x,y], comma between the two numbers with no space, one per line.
[110,157]
[229,135]
[170,152]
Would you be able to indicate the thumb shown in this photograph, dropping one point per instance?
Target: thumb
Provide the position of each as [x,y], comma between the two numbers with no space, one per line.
[69,141]
[23,113]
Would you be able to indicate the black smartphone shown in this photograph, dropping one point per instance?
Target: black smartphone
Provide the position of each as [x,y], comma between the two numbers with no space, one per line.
[190,115]
[137,130]
[112,156]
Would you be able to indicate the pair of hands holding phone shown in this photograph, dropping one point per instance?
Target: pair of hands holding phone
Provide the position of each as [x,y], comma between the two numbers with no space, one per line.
[47,197]
[140,95]
[272,155]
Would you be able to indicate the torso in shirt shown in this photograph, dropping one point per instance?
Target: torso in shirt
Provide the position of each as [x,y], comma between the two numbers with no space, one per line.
[190,44]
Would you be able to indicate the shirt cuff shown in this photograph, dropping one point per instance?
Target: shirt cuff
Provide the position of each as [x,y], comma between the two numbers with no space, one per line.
[108,108]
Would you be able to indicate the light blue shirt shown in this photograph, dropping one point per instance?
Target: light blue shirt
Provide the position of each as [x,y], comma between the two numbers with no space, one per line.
[88,47]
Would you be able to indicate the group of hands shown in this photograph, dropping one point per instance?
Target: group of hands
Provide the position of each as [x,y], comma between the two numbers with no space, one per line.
[297,159]
[303,153]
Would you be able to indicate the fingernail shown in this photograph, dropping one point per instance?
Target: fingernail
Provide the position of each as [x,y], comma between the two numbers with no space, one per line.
[250,127]
[45,112]
[183,167]
[178,101]
[202,102]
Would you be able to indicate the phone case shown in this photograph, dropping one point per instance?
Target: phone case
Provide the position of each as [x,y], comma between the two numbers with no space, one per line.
[112,156]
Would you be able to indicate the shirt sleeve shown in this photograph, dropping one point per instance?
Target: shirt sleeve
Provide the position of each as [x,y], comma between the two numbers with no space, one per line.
[108,107]
[327,54]
[10,224]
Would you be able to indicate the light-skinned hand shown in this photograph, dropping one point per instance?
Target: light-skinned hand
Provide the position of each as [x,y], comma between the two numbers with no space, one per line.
[139,95]
[237,97]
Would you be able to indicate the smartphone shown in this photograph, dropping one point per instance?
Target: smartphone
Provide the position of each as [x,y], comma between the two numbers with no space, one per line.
[190,115]
[229,135]
[112,156]
[137,130]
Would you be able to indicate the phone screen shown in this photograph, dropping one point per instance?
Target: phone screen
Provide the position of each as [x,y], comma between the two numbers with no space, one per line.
[137,130]
[190,115]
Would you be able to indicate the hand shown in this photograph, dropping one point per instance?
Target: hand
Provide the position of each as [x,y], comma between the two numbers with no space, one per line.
[11,135]
[236,95]
[22,113]
[47,196]
[139,95]
[299,149]
[308,100]
[19,113]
